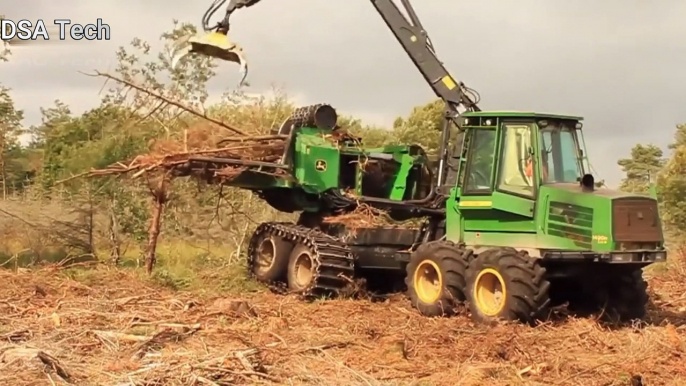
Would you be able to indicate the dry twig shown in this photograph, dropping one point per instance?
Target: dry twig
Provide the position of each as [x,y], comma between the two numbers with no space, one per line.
[168,101]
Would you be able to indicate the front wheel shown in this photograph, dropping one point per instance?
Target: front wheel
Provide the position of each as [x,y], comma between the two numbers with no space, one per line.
[435,277]
[505,284]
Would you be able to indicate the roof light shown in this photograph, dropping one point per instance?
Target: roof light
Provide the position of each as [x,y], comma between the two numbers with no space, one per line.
[579,125]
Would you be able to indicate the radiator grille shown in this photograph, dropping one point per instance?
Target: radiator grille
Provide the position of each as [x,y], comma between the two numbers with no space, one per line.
[571,221]
[636,220]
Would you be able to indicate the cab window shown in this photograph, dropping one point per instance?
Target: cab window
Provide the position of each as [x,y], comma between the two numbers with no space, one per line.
[559,154]
[480,162]
[516,167]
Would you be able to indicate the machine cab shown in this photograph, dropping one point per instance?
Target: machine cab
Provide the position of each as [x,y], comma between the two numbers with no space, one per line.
[507,157]
[515,153]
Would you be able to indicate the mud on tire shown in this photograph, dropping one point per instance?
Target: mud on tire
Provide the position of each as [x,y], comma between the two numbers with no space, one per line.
[302,268]
[445,263]
[268,257]
[523,287]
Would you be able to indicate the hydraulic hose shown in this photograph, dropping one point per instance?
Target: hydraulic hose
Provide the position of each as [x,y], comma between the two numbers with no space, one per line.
[216,4]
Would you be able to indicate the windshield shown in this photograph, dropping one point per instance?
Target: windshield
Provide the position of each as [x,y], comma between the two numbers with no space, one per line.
[559,153]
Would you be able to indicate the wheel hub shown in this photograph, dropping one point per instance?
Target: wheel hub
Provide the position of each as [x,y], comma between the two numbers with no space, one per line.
[303,270]
[428,282]
[490,292]
[266,256]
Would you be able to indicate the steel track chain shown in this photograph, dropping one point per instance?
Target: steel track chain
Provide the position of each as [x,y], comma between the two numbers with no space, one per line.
[333,265]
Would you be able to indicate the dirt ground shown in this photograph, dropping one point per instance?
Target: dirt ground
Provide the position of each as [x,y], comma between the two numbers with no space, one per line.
[116,329]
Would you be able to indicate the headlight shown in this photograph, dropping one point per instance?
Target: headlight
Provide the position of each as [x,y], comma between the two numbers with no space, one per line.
[622,256]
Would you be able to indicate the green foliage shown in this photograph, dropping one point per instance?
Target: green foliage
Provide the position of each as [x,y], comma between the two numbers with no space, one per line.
[372,136]
[11,173]
[423,126]
[4,48]
[10,119]
[187,82]
[679,137]
[671,185]
[4,52]
[645,161]
[672,191]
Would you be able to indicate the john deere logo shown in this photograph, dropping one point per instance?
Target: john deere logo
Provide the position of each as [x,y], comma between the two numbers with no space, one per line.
[320,165]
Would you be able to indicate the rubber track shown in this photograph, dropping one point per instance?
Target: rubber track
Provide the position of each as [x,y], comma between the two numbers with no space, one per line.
[334,262]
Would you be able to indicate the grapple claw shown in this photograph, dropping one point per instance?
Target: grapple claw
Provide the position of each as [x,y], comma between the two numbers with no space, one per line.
[215,45]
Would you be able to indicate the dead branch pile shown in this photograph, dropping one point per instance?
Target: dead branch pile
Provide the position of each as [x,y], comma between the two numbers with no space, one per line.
[203,139]
[169,155]
[112,329]
[364,216]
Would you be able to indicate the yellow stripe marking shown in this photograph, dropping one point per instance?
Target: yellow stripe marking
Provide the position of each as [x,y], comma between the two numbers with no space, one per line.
[449,82]
[476,204]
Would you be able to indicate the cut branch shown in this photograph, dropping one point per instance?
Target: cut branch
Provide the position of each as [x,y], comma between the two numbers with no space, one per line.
[169,101]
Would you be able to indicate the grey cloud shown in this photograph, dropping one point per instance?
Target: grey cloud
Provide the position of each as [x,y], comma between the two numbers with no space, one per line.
[618,63]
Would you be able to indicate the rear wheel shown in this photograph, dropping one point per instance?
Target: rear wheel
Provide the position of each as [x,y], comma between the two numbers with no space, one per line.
[301,269]
[626,296]
[505,284]
[270,258]
[435,277]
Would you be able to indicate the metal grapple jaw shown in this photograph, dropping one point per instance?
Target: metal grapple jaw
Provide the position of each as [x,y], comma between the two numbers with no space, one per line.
[215,45]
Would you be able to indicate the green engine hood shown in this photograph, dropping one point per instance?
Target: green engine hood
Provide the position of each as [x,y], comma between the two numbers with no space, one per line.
[599,220]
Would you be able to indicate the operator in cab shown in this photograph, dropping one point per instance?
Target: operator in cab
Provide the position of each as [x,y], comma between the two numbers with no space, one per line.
[530,169]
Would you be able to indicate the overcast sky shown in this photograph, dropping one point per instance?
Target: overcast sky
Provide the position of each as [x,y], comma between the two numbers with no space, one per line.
[619,63]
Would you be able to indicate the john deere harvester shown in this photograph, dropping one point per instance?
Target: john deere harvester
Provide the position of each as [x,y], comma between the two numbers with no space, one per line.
[513,222]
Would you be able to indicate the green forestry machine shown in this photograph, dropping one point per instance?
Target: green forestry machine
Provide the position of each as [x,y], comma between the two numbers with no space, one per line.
[512,221]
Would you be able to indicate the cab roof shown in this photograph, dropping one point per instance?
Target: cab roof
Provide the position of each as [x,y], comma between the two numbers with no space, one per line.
[519,114]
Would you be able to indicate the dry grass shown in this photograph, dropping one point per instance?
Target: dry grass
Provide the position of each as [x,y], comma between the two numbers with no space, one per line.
[109,327]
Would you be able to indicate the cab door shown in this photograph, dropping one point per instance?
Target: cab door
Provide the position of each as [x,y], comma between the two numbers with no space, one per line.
[496,202]
[515,190]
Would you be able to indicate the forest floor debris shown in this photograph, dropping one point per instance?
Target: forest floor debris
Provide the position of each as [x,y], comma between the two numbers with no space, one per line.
[115,329]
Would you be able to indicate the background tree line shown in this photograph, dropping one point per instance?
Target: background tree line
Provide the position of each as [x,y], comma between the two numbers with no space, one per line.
[110,216]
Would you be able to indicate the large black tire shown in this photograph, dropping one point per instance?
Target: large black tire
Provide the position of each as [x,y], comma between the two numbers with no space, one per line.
[269,260]
[445,262]
[520,279]
[627,296]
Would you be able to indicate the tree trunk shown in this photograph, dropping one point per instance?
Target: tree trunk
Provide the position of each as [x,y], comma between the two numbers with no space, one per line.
[91,222]
[159,198]
[3,174]
[153,234]
[115,244]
